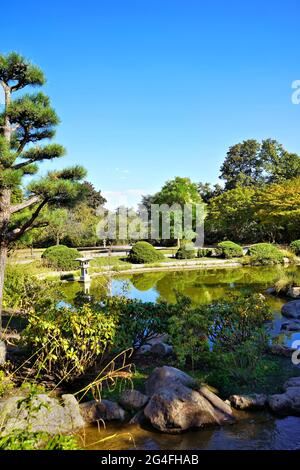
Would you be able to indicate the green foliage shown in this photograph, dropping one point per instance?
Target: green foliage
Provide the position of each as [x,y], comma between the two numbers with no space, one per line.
[186,251]
[137,322]
[229,250]
[143,252]
[248,368]
[187,329]
[67,340]
[286,280]
[23,291]
[265,254]
[205,253]
[61,258]
[6,383]
[237,320]
[295,246]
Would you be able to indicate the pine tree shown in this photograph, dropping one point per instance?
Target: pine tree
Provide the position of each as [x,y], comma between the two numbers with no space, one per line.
[24,123]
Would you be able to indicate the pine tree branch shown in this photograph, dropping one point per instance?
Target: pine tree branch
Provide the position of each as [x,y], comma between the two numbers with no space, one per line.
[17,233]
[24,204]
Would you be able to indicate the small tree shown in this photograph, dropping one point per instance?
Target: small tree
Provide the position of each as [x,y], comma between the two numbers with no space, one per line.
[24,123]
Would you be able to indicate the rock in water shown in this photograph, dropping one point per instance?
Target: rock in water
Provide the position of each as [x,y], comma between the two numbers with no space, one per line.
[291,309]
[177,404]
[287,403]
[2,353]
[133,400]
[246,402]
[104,410]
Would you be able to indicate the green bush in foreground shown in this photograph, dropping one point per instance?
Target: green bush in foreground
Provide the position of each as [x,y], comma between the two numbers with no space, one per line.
[143,252]
[61,257]
[229,250]
[265,253]
[295,246]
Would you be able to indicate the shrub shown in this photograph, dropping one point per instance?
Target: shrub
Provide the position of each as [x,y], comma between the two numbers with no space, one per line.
[265,253]
[285,282]
[23,291]
[61,257]
[237,320]
[295,246]
[67,340]
[186,252]
[143,252]
[229,250]
[137,322]
[205,252]
[187,327]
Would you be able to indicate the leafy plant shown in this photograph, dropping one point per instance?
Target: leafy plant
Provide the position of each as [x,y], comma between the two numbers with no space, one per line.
[187,251]
[61,258]
[229,249]
[265,254]
[67,340]
[143,252]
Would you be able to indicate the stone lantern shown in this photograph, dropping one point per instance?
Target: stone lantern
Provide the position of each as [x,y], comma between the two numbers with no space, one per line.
[84,265]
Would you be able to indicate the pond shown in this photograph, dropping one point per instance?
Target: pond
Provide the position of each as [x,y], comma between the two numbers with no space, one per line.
[256,430]
[201,286]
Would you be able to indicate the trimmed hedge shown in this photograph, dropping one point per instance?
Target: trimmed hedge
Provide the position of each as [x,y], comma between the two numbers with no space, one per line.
[229,250]
[265,253]
[61,257]
[143,252]
[185,253]
[295,246]
[205,253]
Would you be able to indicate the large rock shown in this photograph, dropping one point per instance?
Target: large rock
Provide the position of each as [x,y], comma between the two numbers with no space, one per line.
[246,402]
[133,400]
[2,353]
[44,414]
[177,404]
[291,309]
[287,403]
[104,410]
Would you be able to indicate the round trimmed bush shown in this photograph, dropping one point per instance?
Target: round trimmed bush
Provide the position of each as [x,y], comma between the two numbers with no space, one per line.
[184,252]
[295,246]
[265,253]
[61,257]
[229,250]
[143,252]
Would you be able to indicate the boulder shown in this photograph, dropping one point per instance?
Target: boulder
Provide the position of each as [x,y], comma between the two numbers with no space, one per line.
[271,291]
[161,349]
[287,403]
[246,402]
[291,309]
[177,404]
[44,414]
[2,353]
[291,383]
[133,400]
[104,410]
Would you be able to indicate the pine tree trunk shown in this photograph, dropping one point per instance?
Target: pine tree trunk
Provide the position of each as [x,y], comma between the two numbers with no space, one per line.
[3,258]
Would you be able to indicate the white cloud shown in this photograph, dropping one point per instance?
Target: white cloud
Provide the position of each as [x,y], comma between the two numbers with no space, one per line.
[128,198]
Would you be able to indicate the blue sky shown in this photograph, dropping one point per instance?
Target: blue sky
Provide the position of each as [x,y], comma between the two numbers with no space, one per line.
[150,89]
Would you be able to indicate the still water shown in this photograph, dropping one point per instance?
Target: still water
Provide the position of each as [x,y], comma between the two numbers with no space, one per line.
[258,430]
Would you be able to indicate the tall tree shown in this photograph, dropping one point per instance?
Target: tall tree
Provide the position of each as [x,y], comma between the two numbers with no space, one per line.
[253,163]
[24,123]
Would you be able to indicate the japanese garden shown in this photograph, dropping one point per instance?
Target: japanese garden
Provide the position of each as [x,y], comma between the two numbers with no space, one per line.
[140,339]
